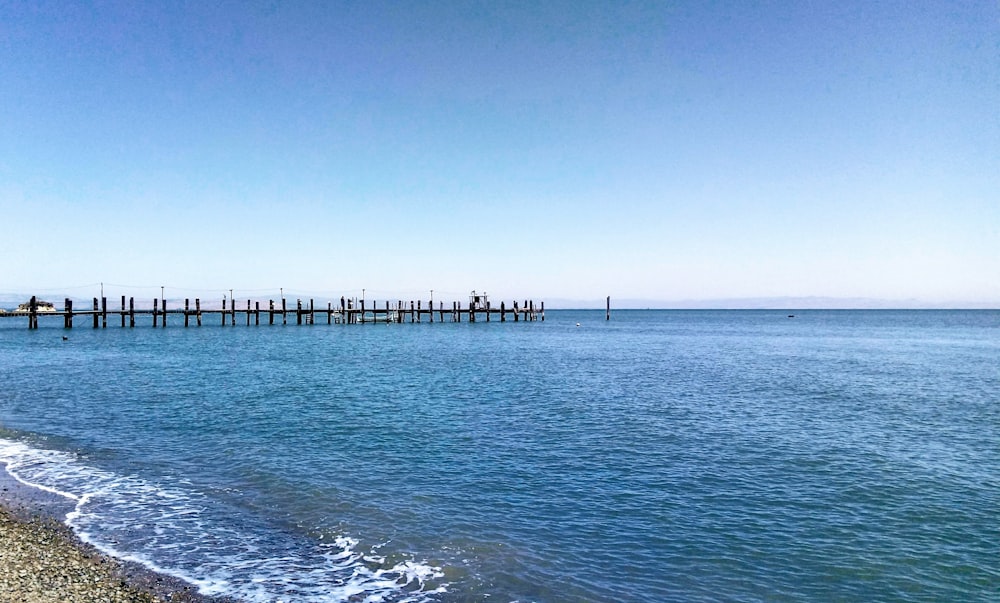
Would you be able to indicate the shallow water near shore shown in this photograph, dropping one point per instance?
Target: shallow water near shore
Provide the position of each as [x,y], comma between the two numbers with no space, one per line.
[662,455]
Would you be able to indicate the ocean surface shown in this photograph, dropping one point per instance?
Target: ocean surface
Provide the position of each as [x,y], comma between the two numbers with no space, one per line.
[659,456]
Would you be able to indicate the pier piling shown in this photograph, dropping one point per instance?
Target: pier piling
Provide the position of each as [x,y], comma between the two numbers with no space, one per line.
[33,313]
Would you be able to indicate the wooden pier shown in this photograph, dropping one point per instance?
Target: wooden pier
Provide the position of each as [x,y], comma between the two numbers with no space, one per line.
[349,311]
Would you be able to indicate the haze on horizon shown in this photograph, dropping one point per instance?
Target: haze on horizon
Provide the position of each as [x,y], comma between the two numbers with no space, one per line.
[560,150]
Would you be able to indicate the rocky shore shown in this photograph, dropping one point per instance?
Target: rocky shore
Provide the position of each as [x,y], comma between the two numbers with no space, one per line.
[42,561]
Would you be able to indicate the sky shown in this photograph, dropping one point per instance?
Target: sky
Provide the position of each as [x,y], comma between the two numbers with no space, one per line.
[664,152]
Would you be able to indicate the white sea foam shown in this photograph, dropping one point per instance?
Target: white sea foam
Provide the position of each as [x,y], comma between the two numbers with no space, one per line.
[182,533]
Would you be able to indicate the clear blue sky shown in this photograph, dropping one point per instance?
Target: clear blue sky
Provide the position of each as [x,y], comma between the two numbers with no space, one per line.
[554,150]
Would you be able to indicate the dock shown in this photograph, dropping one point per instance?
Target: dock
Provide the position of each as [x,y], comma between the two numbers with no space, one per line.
[349,311]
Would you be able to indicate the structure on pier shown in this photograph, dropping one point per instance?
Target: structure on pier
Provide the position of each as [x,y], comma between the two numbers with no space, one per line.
[479,302]
[39,306]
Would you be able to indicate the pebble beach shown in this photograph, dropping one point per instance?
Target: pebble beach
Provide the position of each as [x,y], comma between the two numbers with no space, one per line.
[42,561]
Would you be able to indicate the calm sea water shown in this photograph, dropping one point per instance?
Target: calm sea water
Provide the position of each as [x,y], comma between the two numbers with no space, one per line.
[661,456]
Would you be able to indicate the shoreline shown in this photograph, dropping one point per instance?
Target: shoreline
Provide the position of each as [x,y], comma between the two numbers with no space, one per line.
[42,560]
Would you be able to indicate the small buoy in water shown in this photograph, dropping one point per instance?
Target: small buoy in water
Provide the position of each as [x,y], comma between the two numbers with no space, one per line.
[577,324]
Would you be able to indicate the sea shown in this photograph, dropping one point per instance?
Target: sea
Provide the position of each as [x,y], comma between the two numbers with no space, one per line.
[765,455]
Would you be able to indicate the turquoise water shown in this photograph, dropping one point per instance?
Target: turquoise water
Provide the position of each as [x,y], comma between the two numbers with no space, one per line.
[661,456]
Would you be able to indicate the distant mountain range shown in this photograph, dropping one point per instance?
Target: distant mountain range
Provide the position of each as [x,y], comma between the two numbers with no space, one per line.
[766,303]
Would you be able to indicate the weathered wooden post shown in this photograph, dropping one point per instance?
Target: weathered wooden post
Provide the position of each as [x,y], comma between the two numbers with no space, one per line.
[607,315]
[197,310]
[256,313]
[104,312]
[487,310]
[543,311]
[123,312]
[284,312]
[164,313]
[503,312]
[312,312]
[270,311]
[32,313]
[187,310]
[155,313]
[97,318]
[131,312]
[223,311]
[69,313]
[419,304]
[516,313]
